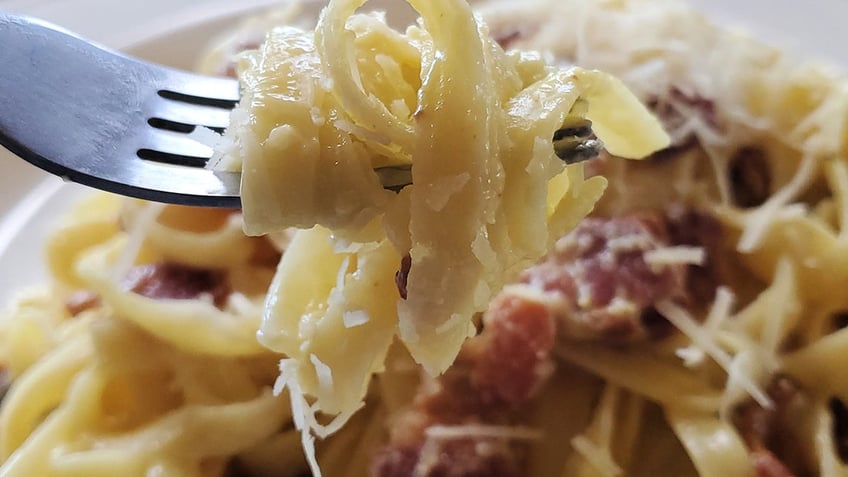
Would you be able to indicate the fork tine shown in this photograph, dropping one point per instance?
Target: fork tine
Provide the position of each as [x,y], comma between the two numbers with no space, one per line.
[80,112]
[202,87]
[175,144]
[178,185]
[191,114]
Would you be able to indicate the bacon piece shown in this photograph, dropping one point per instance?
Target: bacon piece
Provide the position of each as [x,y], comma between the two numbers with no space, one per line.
[767,465]
[448,458]
[501,368]
[840,427]
[170,280]
[839,319]
[265,253]
[506,38]
[600,165]
[236,468]
[592,275]
[692,227]
[601,281]
[705,107]
[770,433]
[518,337]
[675,109]
[395,461]
[496,373]
[80,301]
[511,34]
[5,382]
[402,275]
[750,177]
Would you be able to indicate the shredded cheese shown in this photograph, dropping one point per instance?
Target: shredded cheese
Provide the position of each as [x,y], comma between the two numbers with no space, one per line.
[304,414]
[665,256]
[301,412]
[355,318]
[136,235]
[324,374]
[692,355]
[705,340]
[759,221]
[482,431]
[721,309]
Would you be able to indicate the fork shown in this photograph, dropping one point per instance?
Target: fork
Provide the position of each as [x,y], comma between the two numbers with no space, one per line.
[116,123]
[103,119]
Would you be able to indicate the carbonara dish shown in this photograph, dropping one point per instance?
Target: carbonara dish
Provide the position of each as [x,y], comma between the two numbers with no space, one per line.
[428,277]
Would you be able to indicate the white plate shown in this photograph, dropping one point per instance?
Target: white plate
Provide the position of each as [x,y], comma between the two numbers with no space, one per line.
[173,31]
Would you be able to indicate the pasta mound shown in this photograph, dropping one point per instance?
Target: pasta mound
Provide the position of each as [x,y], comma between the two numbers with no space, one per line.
[325,111]
[692,323]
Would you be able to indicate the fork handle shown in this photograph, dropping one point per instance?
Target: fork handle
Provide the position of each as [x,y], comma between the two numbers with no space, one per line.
[77,110]
[51,97]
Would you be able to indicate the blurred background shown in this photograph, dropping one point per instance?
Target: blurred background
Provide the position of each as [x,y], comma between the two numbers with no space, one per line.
[815,28]
[120,24]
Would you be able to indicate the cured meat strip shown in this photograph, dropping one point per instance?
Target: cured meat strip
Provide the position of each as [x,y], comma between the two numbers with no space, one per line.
[80,301]
[840,427]
[466,457]
[692,227]
[600,281]
[676,109]
[767,464]
[496,373]
[750,177]
[768,433]
[170,280]
[595,284]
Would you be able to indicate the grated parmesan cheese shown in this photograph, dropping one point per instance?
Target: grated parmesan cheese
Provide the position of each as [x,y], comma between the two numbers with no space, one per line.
[760,220]
[324,374]
[692,355]
[240,304]
[705,340]
[482,430]
[720,311]
[206,136]
[136,234]
[745,363]
[665,256]
[303,414]
[357,131]
[355,318]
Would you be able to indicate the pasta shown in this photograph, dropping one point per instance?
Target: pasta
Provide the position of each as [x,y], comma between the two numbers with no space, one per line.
[130,395]
[502,314]
[477,140]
